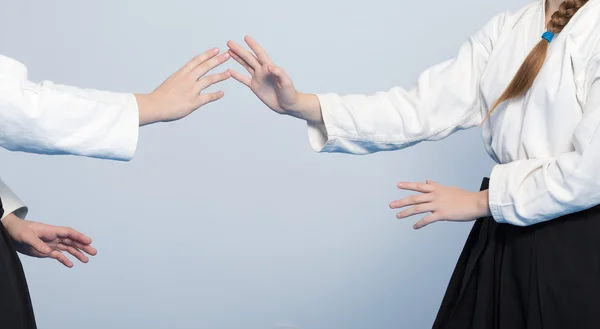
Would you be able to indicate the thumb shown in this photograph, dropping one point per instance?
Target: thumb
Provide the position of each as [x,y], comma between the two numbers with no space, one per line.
[38,245]
[284,79]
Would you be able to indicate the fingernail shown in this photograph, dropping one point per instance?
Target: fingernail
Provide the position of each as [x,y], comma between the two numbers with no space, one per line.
[216,50]
[226,55]
[45,249]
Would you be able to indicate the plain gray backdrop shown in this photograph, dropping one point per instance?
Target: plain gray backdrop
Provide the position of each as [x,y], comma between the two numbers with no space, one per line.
[228,219]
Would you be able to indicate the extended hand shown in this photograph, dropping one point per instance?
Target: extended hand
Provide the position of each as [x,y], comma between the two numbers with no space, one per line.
[445,203]
[42,240]
[181,94]
[271,84]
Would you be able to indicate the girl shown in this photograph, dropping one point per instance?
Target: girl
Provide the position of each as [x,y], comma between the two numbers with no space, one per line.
[48,118]
[532,259]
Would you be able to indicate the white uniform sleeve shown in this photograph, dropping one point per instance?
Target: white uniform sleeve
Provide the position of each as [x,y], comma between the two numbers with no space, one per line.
[444,100]
[47,118]
[531,191]
[11,202]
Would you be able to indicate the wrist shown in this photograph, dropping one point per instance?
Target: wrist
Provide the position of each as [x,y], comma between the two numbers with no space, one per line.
[147,109]
[307,107]
[483,204]
[9,220]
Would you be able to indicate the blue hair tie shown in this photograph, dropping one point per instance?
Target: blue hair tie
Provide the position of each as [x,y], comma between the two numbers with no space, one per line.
[548,36]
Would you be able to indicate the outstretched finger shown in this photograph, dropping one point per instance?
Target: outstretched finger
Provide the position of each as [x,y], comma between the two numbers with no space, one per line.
[434,217]
[204,99]
[76,253]
[240,77]
[241,61]
[69,233]
[261,54]
[88,249]
[415,210]
[210,80]
[417,187]
[210,64]
[412,200]
[61,258]
[198,60]
[248,57]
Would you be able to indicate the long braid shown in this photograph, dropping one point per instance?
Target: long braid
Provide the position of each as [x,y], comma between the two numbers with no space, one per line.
[532,65]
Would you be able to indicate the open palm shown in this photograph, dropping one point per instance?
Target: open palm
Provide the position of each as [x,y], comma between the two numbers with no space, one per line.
[268,81]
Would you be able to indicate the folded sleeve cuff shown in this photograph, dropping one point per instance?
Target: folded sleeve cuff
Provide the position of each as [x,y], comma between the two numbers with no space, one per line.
[495,192]
[126,133]
[503,211]
[323,136]
[11,203]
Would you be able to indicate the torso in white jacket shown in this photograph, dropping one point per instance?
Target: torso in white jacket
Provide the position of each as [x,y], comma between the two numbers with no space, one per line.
[545,142]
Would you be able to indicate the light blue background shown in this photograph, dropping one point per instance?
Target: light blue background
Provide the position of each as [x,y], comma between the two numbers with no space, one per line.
[228,219]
